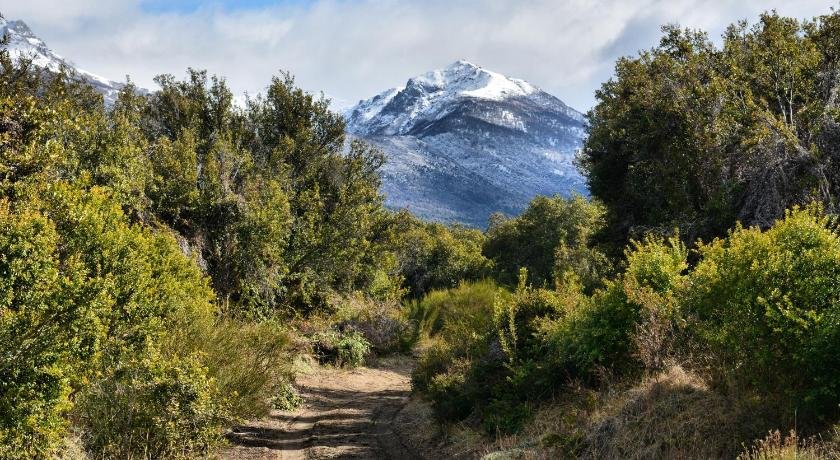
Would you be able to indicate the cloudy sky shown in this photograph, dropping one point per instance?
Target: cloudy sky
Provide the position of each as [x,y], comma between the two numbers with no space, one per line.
[353,49]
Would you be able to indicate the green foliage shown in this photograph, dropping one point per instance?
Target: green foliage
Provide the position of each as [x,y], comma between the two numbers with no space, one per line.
[156,406]
[248,361]
[519,319]
[287,398]
[539,340]
[344,349]
[765,305]
[484,345]
[695,136]
[351,349]
[601,332]
[106,292]
[456,315]
[551,238]
[432,256]
[382,323]
[104,322]
[457,330]
[505,416]
[449,391]
[39,345]
[265,194]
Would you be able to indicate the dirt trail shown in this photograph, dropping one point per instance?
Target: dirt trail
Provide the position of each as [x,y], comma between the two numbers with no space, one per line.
[347,414]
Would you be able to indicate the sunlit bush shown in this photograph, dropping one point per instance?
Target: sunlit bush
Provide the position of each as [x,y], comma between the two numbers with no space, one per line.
[765,305]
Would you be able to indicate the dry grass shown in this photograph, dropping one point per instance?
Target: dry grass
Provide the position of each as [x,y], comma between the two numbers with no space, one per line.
[777,447]
[671,415]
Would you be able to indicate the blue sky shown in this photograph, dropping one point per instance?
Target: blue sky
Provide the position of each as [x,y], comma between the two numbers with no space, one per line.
[354,49]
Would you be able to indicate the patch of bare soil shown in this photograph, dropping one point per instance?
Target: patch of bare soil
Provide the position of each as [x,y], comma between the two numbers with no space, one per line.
[348,413]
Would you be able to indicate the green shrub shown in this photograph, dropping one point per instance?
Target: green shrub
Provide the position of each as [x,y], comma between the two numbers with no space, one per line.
[601,332]
[505,416]
[461,359]
[351,349]
[121,334]
[381,322]
[250,362]
[44,332]
[458,324]
[286,398]
[456,314]
[155,407]
[448,391]
[433,256]
[518,320]
[435,359]
[347,349]
[105,292]
[765,306]
[551,237]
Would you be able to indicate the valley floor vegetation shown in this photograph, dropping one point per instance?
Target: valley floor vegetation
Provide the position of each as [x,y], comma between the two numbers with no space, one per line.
[165,259]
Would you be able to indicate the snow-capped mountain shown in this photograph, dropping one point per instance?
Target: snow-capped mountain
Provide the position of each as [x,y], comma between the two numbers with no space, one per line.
[464,142]
[22,42]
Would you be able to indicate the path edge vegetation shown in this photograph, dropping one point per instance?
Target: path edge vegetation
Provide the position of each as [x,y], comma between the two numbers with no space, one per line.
[163,261]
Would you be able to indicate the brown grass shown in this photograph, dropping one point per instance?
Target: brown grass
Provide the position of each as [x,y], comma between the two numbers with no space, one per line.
[673,414]
[777,447]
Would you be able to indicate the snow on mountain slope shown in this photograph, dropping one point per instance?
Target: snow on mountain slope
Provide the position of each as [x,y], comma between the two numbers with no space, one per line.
[464,142]
[23,43]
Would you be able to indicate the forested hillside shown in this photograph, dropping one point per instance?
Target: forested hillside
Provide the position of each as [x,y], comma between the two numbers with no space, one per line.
[165,259]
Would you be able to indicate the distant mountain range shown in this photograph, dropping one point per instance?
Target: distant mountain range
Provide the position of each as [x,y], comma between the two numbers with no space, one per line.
[463,142]
[22,42]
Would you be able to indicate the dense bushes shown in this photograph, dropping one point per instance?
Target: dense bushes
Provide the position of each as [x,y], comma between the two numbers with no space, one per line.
[341,348]
[457,313]
[382,323]
[756,316]
[552,237]
[265,194]
[160,406]
[433,256]
[766,308]
[459,326]
[123,228]
[107,294]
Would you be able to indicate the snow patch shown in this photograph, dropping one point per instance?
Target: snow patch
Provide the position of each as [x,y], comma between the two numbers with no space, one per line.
[23,43]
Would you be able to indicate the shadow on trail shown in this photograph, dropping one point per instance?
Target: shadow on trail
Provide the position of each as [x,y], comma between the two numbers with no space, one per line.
[336,423]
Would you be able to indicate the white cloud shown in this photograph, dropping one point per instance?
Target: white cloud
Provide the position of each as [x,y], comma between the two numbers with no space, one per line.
[352,49]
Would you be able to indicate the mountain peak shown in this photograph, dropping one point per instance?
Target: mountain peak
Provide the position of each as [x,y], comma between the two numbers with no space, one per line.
[463,63]
[465,79]
[433,95]
[463,142]
[23,43]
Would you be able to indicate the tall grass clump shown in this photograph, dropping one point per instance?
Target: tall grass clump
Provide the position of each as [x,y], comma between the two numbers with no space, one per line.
[456,329]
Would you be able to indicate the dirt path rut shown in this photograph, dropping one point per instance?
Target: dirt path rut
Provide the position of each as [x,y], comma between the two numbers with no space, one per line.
[347,414]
